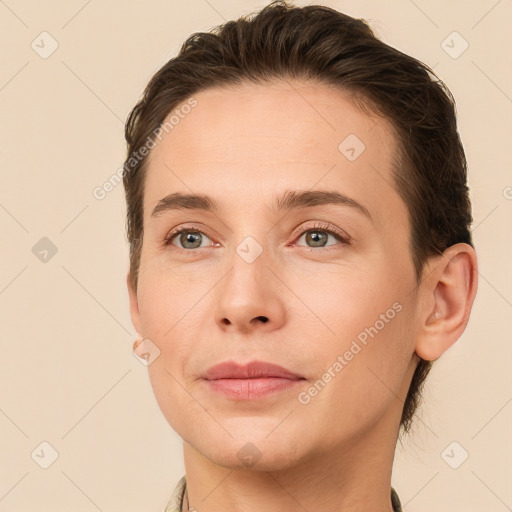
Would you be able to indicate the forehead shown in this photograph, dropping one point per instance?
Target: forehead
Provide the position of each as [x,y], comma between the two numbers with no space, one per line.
[279,114]
[271,137]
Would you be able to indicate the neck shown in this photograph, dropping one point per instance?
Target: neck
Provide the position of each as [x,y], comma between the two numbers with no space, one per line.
[352,477]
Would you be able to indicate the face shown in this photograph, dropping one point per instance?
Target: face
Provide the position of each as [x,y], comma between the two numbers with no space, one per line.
[302,261]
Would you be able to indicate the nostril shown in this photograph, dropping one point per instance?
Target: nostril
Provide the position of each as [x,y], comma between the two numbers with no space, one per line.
[264,319]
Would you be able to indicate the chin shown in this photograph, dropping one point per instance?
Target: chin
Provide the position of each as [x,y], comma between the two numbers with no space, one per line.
[255,452]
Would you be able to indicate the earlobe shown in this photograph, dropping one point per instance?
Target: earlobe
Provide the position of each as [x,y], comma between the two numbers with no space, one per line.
[134,305]
[449,291]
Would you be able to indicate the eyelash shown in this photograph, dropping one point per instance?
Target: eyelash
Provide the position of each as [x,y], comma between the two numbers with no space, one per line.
[339,235]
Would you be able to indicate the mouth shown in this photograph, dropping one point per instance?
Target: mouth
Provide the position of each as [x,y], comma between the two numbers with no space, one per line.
[254,380]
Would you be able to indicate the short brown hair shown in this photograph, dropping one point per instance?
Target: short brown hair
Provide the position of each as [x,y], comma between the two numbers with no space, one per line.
[323,45]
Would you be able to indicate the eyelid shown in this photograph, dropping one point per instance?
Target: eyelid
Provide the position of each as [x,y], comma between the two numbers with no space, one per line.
[175,232]
[323,226]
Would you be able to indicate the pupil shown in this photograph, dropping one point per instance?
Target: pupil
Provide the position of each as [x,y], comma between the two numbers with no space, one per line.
[191,238]
[317,237]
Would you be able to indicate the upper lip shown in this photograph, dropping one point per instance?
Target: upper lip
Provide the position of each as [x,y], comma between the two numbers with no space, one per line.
[251,370]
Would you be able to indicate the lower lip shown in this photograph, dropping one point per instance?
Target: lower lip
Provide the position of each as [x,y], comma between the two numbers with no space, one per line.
[249,389]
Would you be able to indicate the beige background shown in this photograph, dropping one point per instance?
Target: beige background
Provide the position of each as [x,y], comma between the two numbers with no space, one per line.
[68,376]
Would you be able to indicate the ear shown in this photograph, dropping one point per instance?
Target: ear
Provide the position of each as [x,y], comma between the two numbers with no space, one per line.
[447,294]
[134,305]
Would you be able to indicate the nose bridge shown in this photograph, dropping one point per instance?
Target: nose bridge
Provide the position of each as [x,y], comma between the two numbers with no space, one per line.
[249,261]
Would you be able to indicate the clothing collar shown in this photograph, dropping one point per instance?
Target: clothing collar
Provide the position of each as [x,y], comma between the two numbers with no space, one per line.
[176,502]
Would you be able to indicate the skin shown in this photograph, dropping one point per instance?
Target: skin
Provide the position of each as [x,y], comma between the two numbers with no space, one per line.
[244,147]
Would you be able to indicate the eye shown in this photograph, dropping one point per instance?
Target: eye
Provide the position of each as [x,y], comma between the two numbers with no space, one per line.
[187,238]
[318,236]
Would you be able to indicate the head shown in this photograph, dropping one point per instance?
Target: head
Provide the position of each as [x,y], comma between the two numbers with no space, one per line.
[257,118]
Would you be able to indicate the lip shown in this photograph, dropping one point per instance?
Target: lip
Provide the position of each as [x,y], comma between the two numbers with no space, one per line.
[251,370]
[254,380]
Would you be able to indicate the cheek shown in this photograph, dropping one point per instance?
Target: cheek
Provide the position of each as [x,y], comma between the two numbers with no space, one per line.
[367,328]
[362,376]
[166,319]
[170,303]
[166,296]
[345,302]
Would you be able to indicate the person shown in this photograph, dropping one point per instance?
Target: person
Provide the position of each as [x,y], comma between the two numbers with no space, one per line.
[298,217]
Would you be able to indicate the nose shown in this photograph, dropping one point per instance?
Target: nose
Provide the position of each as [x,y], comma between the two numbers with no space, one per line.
[250,297]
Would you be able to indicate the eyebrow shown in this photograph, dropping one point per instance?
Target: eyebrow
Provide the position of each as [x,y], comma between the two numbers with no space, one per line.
[289,200]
